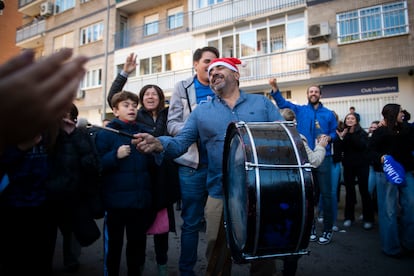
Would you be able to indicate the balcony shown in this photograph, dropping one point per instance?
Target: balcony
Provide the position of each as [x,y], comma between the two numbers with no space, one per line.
[136,35]
[30,7]
[31,35]
[282,65]
[289,66]
[233,11]
[134,6]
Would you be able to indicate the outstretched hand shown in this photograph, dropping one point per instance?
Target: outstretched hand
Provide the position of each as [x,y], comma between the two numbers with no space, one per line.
[36,93]
[147,143]
[273,84]
[130,63]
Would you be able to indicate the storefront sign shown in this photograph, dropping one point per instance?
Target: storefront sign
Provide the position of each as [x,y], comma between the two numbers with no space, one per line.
[360,88]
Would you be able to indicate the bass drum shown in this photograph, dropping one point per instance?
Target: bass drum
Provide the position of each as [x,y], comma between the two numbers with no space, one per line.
[268,191]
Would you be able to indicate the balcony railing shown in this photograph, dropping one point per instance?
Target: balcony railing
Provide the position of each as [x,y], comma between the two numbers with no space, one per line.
[232,11]
[30,30]
[23,3]
[283,65]
[136,35]
[286,66]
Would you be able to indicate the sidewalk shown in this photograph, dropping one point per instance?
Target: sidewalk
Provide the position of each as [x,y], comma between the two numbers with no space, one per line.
[353,251]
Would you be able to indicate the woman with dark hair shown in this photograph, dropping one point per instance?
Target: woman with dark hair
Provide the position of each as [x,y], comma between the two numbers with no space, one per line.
[355,162]
[394,139]
[152,119]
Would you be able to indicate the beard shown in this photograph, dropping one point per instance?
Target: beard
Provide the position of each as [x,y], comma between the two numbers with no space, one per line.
[219,86]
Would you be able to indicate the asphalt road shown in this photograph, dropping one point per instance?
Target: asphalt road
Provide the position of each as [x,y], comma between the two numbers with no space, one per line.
[353,251]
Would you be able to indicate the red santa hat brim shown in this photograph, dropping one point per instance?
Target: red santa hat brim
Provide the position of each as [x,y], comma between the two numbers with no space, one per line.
[229,63]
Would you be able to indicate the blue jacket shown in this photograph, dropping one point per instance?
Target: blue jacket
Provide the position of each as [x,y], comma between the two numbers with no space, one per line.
[27,172]
[307,116]
[209,122]
[126,182]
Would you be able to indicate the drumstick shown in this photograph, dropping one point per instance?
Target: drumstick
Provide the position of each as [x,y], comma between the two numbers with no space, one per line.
[114,130]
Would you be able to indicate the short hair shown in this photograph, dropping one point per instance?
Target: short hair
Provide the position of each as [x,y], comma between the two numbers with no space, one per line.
[352,107]
[288,114]
[199,52]
[73,113]
[314,85]
[123,96]
[160,93]
[407,115]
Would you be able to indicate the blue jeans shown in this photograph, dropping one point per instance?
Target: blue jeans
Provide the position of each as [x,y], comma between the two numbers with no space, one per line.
[336,174]
[323,178]
[371,180]
[193,196]
[395,214]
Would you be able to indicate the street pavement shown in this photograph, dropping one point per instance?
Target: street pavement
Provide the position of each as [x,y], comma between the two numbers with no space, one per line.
[353,251]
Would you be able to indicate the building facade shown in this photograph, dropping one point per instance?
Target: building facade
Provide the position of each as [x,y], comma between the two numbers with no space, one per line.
[361,52]
[10,19]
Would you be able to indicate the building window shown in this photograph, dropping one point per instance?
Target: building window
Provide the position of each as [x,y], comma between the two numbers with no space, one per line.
[373,22]
[175,18]
[63,5]
[151,25]
[144,66]
[120,67]
[205,3]
[156,64]
[92,79]
[63,41]
[91,33]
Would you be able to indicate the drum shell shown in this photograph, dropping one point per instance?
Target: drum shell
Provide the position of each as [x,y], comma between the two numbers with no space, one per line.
[268,190]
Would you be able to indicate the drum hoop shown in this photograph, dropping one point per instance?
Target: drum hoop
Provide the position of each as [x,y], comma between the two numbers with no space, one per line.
[257,174]
[302,183]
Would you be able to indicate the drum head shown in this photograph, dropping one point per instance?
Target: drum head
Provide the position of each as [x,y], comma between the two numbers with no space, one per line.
[265,191]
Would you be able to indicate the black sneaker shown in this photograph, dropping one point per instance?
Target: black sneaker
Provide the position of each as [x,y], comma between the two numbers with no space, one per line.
[313,237]
[325,238]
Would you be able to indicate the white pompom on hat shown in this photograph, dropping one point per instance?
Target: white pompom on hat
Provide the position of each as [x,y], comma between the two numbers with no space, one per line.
[229,62]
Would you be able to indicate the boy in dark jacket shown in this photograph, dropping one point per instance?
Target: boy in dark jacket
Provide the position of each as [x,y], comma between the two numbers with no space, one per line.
[126,188]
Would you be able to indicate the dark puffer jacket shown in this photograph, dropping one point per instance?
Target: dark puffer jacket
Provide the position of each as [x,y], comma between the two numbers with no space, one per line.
[126,182]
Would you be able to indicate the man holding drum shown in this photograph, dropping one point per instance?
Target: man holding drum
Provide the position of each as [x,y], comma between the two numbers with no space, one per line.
[208,123]
[315,121]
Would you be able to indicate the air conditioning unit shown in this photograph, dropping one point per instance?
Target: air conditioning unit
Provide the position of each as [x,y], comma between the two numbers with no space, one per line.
[46,9]
[318,53]
[80,94]
[318,30]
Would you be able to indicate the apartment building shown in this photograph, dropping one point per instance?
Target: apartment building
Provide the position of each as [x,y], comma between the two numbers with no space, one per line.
[84,25]
[360,51]
[10,19]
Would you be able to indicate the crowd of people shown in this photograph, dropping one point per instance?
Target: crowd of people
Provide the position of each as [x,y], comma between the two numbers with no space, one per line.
[58,175]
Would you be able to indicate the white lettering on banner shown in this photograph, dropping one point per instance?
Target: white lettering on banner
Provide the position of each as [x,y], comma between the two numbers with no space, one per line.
[388,169]
[378,89]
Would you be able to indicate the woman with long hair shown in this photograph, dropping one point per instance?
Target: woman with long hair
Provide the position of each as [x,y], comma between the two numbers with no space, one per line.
[355,162]
[395,139]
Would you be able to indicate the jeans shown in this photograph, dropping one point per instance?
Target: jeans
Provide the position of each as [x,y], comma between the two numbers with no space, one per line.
[371,180]
[336,174]
[323,178]
[395,214]
[193,197]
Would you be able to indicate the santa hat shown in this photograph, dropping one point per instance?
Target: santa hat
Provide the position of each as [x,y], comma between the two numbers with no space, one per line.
[226,62]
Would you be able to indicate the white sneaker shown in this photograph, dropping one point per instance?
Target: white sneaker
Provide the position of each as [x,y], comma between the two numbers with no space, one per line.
[320,219]
[347,223]
[368,225]
[335,228]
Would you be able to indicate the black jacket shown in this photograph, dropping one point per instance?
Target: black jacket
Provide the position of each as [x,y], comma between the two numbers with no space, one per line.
[400,145]
[355,148]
